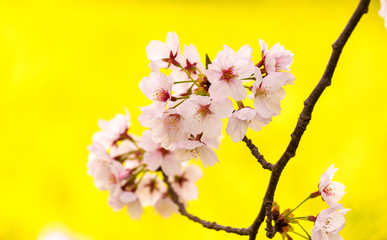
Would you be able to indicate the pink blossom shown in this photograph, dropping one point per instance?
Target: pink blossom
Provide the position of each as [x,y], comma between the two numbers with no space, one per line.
[331,192]
[227,70]
[191,63]
[184,184]
[383,10]
[112,130]
[276,59]
[189,149]
[243,119]
[329,223]
[150,189]
[204,116]
[169,128]
[99,167]
[156,156]
[267,93]
[165,206]
[151,113]
[157,87]
[122,194]
[164,54]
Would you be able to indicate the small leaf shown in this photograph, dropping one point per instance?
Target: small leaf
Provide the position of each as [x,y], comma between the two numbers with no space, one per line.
[208,61]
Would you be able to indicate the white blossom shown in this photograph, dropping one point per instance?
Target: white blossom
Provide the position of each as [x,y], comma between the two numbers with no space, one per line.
[276,59]
[202,115]
[241,120]
[164,54]
[184,184]
[112,130]
[267,93]
[156,156]
[329,223]
[331,191]
[227,70]
[189,149]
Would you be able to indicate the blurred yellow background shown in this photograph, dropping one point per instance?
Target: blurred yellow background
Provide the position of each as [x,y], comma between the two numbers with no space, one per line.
[65,64]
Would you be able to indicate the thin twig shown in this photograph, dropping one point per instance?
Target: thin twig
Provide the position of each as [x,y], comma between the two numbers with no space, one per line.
[254,151]
[306,113]
[206,224]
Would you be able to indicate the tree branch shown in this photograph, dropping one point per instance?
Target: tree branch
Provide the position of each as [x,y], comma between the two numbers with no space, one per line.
[254,151]
[306,113]
[206,224]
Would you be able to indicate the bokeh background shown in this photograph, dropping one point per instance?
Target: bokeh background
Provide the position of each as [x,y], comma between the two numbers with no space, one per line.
[66,64]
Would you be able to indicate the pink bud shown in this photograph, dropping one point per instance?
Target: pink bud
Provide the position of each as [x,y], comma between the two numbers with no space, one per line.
[124,174]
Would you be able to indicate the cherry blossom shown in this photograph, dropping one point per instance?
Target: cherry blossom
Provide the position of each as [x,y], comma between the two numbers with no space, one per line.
[168,129]
[331,191]
[204,116]
[189,149]
[99,167]
[164,54]
[156,156]
[157,87]
[329,223]
[151,113]
[190,64]
[150,189]
[243,119]
[112,130]
[276,59]
[383,10]
[267,92]
[184,184]
[227,70]
[165,206]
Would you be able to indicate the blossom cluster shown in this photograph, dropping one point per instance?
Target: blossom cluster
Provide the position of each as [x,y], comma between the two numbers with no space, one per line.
[331,221]
[127,166]
[189,103]
[328,223]
[190,100]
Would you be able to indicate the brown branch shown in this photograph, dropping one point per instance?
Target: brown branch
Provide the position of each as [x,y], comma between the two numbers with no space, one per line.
[206,224]
[306,113]
[254,151]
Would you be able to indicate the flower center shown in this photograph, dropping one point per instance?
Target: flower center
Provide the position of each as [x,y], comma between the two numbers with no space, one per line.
[328,190]
[161,95]
[263,93]
[202,112]
[228,74]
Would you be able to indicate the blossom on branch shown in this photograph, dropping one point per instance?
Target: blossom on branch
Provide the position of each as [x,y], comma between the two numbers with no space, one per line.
[329,223]
[331,191]
[227,70]
[277,59]
[164,54]
[113,130]
[204,115]
[267,92]
[241,120]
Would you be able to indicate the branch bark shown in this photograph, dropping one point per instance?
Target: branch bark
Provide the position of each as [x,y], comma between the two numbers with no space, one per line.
[254,151]
[306,114]
[206,224]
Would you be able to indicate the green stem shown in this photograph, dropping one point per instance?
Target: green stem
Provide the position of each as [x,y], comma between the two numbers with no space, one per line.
[301,218]
[183,82]
[309,237]
[249,78]
[298,206]
[179,103]
[189,75]
[300,235]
